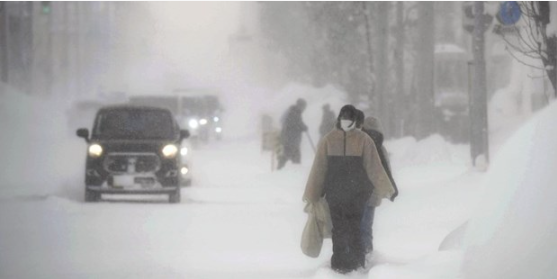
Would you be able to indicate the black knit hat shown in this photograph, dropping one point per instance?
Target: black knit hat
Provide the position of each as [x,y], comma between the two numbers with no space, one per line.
[347,112]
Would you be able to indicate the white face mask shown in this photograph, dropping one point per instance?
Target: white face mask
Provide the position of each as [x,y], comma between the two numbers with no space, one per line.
[347,125]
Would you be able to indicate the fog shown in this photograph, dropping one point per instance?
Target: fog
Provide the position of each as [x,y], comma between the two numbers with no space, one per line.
[466,105]
[179,43]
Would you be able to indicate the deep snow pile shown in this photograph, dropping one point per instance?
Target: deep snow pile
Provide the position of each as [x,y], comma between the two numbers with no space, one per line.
[38,155]
[512,235]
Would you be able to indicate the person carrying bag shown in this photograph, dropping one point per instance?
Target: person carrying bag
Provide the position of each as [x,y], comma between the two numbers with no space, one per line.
[318,227]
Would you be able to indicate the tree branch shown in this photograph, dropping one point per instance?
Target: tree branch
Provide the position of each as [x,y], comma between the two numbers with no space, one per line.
[522,62]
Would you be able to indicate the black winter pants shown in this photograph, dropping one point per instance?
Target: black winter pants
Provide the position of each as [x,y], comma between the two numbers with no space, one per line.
[289,153]
[348,250]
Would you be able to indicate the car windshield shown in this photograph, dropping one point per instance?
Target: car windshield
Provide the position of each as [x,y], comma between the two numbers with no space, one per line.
[134,124]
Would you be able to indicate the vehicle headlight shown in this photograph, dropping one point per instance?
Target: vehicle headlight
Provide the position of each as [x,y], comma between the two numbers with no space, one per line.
[193,124]
[218,129]
[216,119]
[203,121]
[95,150]
[169,150]
[184,170]
[184,151]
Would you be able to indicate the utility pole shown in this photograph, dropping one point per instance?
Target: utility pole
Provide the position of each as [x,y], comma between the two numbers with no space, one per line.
[20,45]
[424,69]
[478,99]
[396,115]
[383,103]
[64,50]
[59,50]
[3,42]
[369,51]
[42,48]
[72,48]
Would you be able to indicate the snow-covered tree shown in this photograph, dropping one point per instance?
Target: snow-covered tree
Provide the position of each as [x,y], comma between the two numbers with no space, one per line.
[536,37]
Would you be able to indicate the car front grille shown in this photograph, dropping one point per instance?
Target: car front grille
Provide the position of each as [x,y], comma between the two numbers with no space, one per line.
[131,162]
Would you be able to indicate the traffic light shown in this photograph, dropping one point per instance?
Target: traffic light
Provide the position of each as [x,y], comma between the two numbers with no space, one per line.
[45,7]
[468,16]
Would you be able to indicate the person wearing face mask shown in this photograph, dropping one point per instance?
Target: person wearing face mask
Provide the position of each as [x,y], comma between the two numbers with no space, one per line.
[346,170]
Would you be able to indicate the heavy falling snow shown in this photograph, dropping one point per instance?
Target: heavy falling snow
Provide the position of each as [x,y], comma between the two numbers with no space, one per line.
[242,218]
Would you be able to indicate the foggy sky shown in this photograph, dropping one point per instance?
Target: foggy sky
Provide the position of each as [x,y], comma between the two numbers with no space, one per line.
[181,41]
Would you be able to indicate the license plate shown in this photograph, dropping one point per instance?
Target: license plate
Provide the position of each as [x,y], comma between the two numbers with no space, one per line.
[123,180]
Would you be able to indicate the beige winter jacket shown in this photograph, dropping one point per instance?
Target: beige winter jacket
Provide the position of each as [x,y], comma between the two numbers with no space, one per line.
[357,144]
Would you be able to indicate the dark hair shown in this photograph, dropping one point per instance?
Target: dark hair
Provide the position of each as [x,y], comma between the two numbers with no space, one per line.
[347,111]
[360,116]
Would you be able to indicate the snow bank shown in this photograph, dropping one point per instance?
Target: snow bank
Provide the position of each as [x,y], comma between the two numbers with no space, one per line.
[37,154]
[512,234]
[431,150]
[510,107]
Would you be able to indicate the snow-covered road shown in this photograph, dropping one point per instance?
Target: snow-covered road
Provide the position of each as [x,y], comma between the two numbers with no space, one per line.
[238,220]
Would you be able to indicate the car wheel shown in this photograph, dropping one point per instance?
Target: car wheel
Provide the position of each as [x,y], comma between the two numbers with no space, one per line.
[91,196]
[186,183]
[174,197]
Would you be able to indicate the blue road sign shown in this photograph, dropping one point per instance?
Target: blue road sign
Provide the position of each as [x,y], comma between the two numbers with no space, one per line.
[509,13]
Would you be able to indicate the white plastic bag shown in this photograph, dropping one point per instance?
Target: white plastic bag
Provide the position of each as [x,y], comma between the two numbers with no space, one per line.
[312,241]
[318,227]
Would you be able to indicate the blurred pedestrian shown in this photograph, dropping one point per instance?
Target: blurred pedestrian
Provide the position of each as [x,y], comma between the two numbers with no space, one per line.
[291,134]
[346,170]
[359,119]
[328,120]
[372,127]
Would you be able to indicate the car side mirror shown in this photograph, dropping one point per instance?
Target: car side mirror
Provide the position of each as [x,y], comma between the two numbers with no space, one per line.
[184,134]
[83,133]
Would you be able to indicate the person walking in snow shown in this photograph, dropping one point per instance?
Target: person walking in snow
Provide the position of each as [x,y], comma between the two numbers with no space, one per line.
[291,134]
[328,120]
[372,127]
[346,170]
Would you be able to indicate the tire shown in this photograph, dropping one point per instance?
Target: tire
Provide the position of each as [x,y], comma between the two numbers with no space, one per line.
[186,183]
[175,197]
[91,196]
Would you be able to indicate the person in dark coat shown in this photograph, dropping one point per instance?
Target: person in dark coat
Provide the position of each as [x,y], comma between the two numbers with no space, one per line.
[346,171]
[372,127]
[328,120]
[291,134]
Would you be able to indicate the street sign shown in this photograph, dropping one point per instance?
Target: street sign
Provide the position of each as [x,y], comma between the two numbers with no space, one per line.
[509,13]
